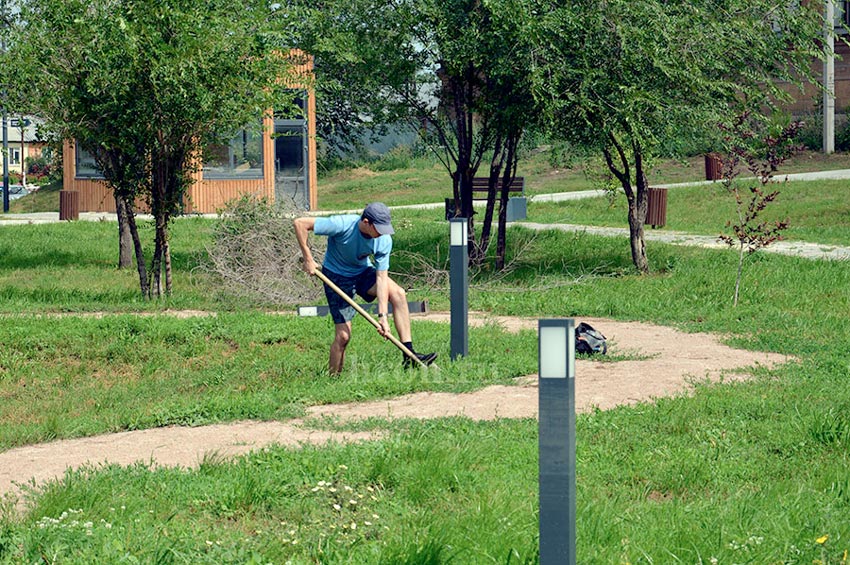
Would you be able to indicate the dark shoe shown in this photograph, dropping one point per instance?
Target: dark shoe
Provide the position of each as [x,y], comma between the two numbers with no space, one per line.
[426,358]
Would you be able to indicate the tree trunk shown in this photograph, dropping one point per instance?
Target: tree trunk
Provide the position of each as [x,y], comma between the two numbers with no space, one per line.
[167,253]
[140,253]
[740,273]
[157,290]
[480,251]
[636,236]
[637,198]
[508,177]
[125,238]
[637,212]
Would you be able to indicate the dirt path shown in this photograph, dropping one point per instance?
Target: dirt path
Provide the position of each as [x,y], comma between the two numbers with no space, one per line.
[668,361]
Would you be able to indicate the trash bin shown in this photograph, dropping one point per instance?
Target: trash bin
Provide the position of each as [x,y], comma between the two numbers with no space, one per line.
[713,166]
[656,209]
[517,209]
[69,205]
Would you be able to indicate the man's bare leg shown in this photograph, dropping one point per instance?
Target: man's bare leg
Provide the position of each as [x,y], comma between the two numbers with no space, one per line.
[397,297]
[342,335]
[401,313]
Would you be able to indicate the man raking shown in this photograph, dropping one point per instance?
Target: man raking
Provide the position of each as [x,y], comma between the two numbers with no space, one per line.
[353,242]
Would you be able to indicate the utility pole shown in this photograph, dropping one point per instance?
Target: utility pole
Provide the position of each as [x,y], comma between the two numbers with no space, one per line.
[829,78]
[5,23]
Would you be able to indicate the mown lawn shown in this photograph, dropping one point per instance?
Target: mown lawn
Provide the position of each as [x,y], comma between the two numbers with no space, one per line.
[424,179]
[817,211]
[751,472]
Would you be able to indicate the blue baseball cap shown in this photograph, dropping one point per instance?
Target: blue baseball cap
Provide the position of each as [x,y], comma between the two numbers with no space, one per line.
[379,216]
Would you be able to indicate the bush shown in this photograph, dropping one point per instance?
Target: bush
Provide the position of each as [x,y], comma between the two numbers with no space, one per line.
[38,167]
[399,157]
[811,133]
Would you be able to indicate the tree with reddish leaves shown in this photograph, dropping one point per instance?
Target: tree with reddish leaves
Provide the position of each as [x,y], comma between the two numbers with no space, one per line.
[762,157]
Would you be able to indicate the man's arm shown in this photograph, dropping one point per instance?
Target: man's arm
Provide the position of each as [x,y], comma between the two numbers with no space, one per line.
[382,291]
[303,227]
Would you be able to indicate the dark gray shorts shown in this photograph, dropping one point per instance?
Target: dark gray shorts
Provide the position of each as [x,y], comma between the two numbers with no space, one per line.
[342,311]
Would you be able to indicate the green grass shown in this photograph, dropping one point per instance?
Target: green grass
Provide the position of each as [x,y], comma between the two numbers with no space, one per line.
[42,268]
[818,211]
[123,372]
[751,472]
[426,180]
[45,199]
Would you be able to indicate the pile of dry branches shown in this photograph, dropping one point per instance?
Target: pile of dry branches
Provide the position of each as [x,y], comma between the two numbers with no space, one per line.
[256,256]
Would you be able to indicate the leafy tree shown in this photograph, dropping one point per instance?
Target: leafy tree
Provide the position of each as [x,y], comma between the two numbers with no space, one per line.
[449,69]
[621,75]
[144,86]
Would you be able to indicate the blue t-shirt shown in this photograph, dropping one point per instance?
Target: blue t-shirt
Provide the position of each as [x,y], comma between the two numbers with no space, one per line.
[349,251]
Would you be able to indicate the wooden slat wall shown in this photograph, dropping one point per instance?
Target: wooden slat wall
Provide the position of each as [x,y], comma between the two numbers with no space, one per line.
[208,197]
[311,149]
[94,195]
[205,196]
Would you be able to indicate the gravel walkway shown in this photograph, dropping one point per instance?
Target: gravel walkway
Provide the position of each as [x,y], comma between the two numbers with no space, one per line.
[795,248]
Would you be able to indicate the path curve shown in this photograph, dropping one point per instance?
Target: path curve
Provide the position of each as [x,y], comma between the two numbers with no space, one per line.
[669,361]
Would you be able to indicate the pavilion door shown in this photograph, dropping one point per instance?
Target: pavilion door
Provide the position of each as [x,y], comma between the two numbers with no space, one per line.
[291,179]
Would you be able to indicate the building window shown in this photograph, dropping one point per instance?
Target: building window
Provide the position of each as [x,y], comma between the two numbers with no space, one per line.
[242,158]
[841,15]
[86,166]
[296,109]
[14,156]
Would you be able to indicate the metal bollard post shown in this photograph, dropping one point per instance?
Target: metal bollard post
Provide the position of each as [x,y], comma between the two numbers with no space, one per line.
[557,441]
[459,282]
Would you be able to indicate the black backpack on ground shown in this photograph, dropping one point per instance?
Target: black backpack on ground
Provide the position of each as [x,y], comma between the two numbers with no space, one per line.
[590,340]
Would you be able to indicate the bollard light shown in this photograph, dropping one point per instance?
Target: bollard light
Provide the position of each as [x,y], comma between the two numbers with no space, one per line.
[557,441]
[458,235]
[459,283]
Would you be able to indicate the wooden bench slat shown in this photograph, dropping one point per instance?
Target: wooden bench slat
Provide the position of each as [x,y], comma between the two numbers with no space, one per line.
[480,184]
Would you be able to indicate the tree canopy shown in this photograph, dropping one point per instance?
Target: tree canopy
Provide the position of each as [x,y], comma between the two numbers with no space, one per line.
[621,76]
[451,70]
[145,85]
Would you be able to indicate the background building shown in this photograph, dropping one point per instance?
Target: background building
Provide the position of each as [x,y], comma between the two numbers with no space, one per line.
[276,161]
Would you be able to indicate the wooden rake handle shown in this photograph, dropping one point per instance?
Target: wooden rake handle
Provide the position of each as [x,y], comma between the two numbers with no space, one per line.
[366,315]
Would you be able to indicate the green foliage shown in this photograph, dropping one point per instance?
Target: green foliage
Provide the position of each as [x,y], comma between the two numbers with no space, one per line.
[811,134]
[399,157]
[626,77]
[455,71]
[143,86]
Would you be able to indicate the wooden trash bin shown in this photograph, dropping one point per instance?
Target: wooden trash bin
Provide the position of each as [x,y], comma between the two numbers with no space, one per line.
[656,209]
[713,166]
[69,205]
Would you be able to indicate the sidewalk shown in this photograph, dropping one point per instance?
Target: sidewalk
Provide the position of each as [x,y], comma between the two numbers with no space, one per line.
[793,248]
[839,174]
[53,217]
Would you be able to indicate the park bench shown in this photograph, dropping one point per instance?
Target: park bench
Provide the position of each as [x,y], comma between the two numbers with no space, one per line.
[479,186]
[517,205]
